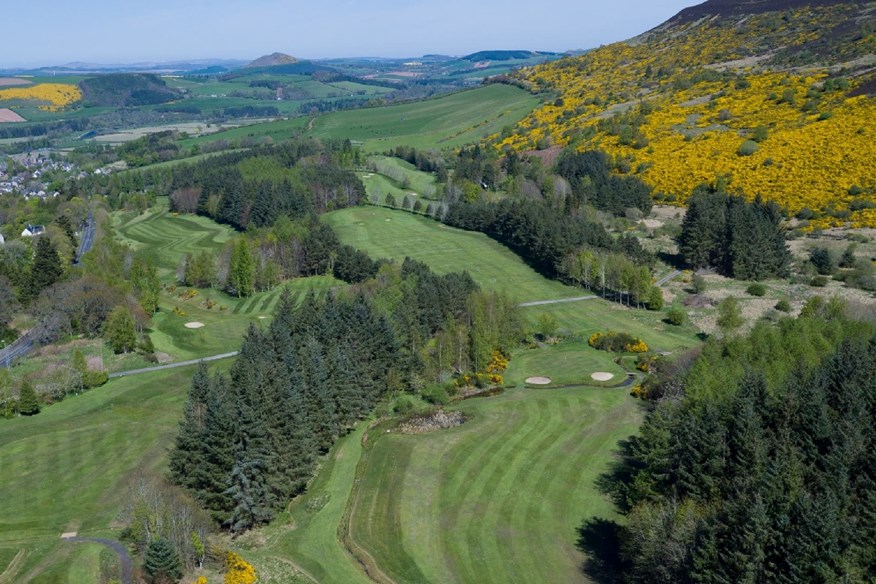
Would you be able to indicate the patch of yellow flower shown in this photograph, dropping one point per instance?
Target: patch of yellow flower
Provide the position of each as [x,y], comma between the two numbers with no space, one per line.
[55,95]
[239,570]
[686,102]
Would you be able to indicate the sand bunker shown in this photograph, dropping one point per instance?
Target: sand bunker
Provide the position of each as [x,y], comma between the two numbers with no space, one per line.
[538,380]
[601,376]
[194,325]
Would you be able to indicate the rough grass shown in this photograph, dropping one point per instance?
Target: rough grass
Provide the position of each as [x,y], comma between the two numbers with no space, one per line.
[497,499]
[444,122]
[587,317]
[67,469]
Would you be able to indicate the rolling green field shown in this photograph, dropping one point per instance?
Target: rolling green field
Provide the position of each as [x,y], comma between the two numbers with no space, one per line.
[394,234]
[497,499]
[389,180]
[445,122]
[68,469]
[277,131]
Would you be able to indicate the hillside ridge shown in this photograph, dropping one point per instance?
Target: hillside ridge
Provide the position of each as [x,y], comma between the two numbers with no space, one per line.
[272,60]
[770,98]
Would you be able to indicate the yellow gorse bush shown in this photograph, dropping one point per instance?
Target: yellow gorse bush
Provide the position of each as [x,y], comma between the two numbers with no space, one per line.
[239,571]
[57,95]
[686,123]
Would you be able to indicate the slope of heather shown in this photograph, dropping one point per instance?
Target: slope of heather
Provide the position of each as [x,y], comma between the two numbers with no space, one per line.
[774,97]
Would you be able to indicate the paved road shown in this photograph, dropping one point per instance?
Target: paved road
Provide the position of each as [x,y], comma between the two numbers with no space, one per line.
[18,349]
[124,556]
[87,239]
[665,279]
[172,365]
[561,300]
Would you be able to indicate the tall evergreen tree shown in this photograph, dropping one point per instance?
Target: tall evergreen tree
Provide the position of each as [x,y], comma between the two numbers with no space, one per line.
[161,562]
[242,270]
[28,401]
[46,268]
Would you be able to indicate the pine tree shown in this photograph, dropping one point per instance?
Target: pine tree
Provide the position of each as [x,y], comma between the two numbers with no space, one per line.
[248,482]
[217,455]
[189,446]
[242,270]
[161,562]
[28,401]
[46,268]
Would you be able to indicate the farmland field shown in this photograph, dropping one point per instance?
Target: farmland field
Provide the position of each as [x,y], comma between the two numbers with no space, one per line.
[445,122]
[497,499]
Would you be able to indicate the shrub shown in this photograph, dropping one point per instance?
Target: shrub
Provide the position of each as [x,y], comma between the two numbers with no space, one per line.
[239,570]
[823,261]
[617,342]
[675,315]
[655,299]
[756,289]
[699,284]
[747,148]
[819,281]
[783,306]
[404,405]
[436,394]
[93,378]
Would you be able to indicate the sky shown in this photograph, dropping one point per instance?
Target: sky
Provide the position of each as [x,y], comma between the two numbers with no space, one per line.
[56,32]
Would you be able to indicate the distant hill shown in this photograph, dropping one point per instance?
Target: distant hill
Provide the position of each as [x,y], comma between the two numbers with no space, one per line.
[770,97]
[126,89]
[272,60]
[504,55]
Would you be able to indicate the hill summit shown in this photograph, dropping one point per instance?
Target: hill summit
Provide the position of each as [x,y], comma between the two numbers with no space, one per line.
[272,60]
[769,98]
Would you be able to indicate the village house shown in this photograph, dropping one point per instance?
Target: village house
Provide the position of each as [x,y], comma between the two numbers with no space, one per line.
[32,230]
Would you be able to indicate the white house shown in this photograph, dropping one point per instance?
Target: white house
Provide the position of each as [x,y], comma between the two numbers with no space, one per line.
[32,230]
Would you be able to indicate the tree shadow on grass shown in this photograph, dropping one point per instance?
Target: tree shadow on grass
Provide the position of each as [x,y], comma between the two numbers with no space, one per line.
[616,480]
[599,539]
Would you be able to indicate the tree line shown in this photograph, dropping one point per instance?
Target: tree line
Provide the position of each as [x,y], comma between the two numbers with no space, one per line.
[757,464]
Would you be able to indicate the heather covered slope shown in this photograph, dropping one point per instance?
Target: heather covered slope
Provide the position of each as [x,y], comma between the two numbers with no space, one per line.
[774,98]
